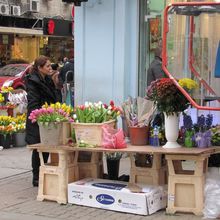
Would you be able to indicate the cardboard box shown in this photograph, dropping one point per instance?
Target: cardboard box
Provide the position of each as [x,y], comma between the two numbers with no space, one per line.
[115,195]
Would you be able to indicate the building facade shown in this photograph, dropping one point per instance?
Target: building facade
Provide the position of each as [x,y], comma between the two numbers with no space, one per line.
[22,29]
[112,50]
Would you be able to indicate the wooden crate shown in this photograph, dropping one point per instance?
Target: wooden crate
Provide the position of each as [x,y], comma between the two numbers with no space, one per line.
[55,176]
[156,174]
[90,165]
[186,187]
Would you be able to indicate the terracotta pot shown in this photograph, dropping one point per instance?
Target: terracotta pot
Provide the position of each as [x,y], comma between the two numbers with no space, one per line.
[139,135]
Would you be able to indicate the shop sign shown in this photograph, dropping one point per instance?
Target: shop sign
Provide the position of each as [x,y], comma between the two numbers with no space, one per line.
[57,27]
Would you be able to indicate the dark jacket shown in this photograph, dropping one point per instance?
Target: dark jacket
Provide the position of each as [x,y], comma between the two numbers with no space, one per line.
[155,71]
[39,91]
[68,66]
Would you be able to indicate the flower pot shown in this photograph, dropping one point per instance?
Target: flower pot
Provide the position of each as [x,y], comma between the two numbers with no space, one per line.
[203,139]
[5,141]
[19,139]
[171,131]
[90,133]
[113,168]
[51,134]
[138,135]
[188,142]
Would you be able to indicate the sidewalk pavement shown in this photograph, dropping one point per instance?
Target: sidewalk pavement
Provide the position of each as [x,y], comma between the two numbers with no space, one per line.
[18,197]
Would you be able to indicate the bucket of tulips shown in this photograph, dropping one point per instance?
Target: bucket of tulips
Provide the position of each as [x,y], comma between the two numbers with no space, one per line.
[6,131]
[51,119]
[89,119]
[19,126]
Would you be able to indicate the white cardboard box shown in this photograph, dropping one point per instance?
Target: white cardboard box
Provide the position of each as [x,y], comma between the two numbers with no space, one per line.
[115,195]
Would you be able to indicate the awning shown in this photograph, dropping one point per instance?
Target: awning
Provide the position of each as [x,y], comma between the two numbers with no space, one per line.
[25,31]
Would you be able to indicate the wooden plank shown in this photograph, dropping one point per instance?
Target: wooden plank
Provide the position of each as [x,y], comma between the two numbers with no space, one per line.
[130,149]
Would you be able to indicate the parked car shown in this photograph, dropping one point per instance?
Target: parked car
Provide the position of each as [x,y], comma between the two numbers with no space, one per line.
[14,75]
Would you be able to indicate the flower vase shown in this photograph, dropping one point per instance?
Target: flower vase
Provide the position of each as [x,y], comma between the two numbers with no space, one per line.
[5,141]
[20,139]
[113,168]
[51,134]
[171,131]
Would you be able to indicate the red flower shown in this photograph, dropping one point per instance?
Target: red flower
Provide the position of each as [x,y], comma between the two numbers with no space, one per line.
[112,103]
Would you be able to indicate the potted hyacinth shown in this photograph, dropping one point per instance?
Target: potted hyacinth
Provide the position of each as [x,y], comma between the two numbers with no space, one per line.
[168,99]
[50,119]
[203,134]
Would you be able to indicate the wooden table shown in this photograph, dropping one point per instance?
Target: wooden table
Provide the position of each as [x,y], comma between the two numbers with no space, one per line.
[185,187]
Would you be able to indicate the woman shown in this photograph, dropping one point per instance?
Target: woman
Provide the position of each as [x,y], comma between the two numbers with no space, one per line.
[40,89]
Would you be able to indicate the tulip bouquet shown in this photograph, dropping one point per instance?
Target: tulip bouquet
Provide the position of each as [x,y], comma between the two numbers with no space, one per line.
[6,126]
[96,112]
[51,113]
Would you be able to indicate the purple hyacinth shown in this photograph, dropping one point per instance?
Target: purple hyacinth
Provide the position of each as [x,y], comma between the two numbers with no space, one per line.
[209,120]
[187,121]
[201,121]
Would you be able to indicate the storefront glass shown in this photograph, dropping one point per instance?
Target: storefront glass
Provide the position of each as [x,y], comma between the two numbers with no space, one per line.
[151,14]
[25,48]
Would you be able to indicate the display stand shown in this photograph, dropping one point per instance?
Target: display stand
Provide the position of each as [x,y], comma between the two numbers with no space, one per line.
[156,174]
[186,187]
[55,175]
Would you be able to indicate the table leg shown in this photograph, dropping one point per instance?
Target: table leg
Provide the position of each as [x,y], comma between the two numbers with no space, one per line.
[186,187]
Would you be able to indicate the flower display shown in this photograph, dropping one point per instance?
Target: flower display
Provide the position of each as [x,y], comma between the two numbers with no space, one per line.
[167,97]
[95,112]
[6,126]
[51,113]
[188,84]
[200,133]
[19,123]
[6,89]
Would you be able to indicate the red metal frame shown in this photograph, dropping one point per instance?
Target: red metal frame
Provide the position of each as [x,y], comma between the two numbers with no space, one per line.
[191,59]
